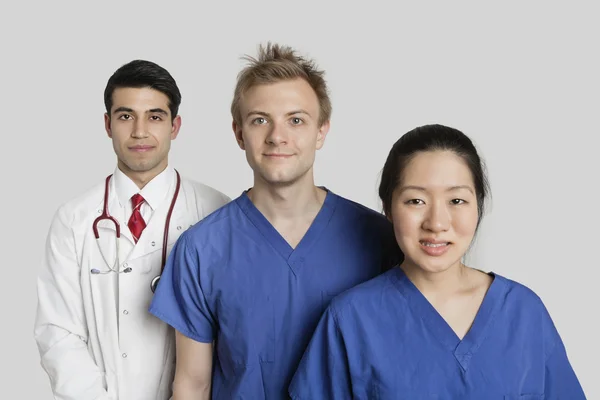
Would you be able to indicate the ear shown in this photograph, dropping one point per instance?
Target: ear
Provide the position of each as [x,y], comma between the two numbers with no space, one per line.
[176,125]
[388,215]
[237,131]
[107,125]
[323,131]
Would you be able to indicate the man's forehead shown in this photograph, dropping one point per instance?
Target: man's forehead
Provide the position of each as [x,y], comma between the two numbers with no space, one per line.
[139,99]
[139,93]
[291,94]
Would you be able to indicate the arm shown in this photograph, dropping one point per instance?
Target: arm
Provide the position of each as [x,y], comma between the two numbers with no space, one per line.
[60,329]
[323,372]
[560,379]
[193,373]
[180,302]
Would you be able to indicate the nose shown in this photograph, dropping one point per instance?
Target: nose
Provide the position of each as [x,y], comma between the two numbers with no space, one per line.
[140,129]
[437,218]
[277,135]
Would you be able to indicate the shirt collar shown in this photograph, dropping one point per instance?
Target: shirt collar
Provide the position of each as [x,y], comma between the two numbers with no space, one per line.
[154,192]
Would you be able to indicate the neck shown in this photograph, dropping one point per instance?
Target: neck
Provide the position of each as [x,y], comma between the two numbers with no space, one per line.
[141,178]
[287,202]
[439,283]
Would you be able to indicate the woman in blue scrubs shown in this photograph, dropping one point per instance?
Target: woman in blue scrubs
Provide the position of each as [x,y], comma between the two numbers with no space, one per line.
[434,328]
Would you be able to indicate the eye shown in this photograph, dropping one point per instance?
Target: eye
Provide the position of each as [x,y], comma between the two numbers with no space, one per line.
[296,121]
[415,202]
[259,121]
[125,117]
[155,118]
[457,202]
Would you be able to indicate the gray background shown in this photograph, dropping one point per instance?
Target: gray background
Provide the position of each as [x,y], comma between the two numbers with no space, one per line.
[521,79]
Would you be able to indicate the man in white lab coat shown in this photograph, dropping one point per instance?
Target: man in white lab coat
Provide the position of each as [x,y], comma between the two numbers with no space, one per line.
[96,339]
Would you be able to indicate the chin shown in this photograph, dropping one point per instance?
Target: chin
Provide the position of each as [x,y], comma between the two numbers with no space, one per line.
[432,265]
[279,178]
[434,268]
[141,166]
[278,181]
[437,265]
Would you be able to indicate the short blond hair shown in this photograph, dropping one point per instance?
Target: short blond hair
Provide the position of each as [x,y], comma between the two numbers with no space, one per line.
[277,63]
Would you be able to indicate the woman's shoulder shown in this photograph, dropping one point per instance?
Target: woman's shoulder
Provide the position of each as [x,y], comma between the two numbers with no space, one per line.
[366,297]
[518,296]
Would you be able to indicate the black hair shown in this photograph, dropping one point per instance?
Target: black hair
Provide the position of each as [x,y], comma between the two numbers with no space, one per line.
[140,74]
[432,138]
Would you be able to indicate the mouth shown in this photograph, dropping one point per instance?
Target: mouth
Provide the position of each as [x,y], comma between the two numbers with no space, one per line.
[277,155]
[434,244]
[141,148]
[434,248]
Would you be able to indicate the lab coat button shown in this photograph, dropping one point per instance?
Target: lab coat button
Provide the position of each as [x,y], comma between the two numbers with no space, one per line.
[153,243]
[124,355]
[179,228]
[125,312]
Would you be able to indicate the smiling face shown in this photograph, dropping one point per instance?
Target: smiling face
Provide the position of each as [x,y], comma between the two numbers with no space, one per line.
[141,128]
[280,131]
[434,211]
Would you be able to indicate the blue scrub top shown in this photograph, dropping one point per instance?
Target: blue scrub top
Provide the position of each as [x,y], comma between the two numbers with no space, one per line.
[233,278]
[384,340]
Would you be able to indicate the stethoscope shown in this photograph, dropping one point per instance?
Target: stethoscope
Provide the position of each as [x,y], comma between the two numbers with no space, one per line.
[106,216]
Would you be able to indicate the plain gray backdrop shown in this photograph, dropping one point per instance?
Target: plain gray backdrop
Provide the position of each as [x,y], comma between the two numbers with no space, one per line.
[521,79]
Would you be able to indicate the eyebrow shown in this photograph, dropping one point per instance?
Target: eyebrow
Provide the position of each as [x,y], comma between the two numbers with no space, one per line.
[153,110]
[450,189]
[122,109]
[158,111]
[264,114]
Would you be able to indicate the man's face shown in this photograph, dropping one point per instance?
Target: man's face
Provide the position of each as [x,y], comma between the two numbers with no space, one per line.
[141,128]
[280,130]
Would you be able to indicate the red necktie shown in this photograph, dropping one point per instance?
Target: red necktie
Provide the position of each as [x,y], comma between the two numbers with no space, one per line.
[136,223]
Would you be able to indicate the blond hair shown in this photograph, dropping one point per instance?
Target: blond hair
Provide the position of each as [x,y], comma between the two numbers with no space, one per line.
[277,63]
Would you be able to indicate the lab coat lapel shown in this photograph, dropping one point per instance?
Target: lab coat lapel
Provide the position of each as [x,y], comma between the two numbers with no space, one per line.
[152,237]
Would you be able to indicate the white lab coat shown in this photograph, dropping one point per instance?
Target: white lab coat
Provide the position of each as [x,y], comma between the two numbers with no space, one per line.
[96,339]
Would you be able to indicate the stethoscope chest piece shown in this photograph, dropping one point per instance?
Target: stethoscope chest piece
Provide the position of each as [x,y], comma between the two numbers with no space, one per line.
[154,283]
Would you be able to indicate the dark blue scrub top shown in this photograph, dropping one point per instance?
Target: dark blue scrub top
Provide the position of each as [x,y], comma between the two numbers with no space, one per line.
[232,278]
[384,340]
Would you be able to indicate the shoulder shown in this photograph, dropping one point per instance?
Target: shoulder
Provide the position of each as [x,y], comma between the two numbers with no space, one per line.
[358,209]
[361,217]
[372,226]
[216,225]
[528,309]
[523,305]
[205,194]
[364,297]
[80,207]
[519,293]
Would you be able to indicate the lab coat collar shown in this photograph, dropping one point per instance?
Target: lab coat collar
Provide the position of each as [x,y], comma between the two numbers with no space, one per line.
[154,192]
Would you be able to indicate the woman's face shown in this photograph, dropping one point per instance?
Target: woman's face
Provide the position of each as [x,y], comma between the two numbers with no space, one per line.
[434,211]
